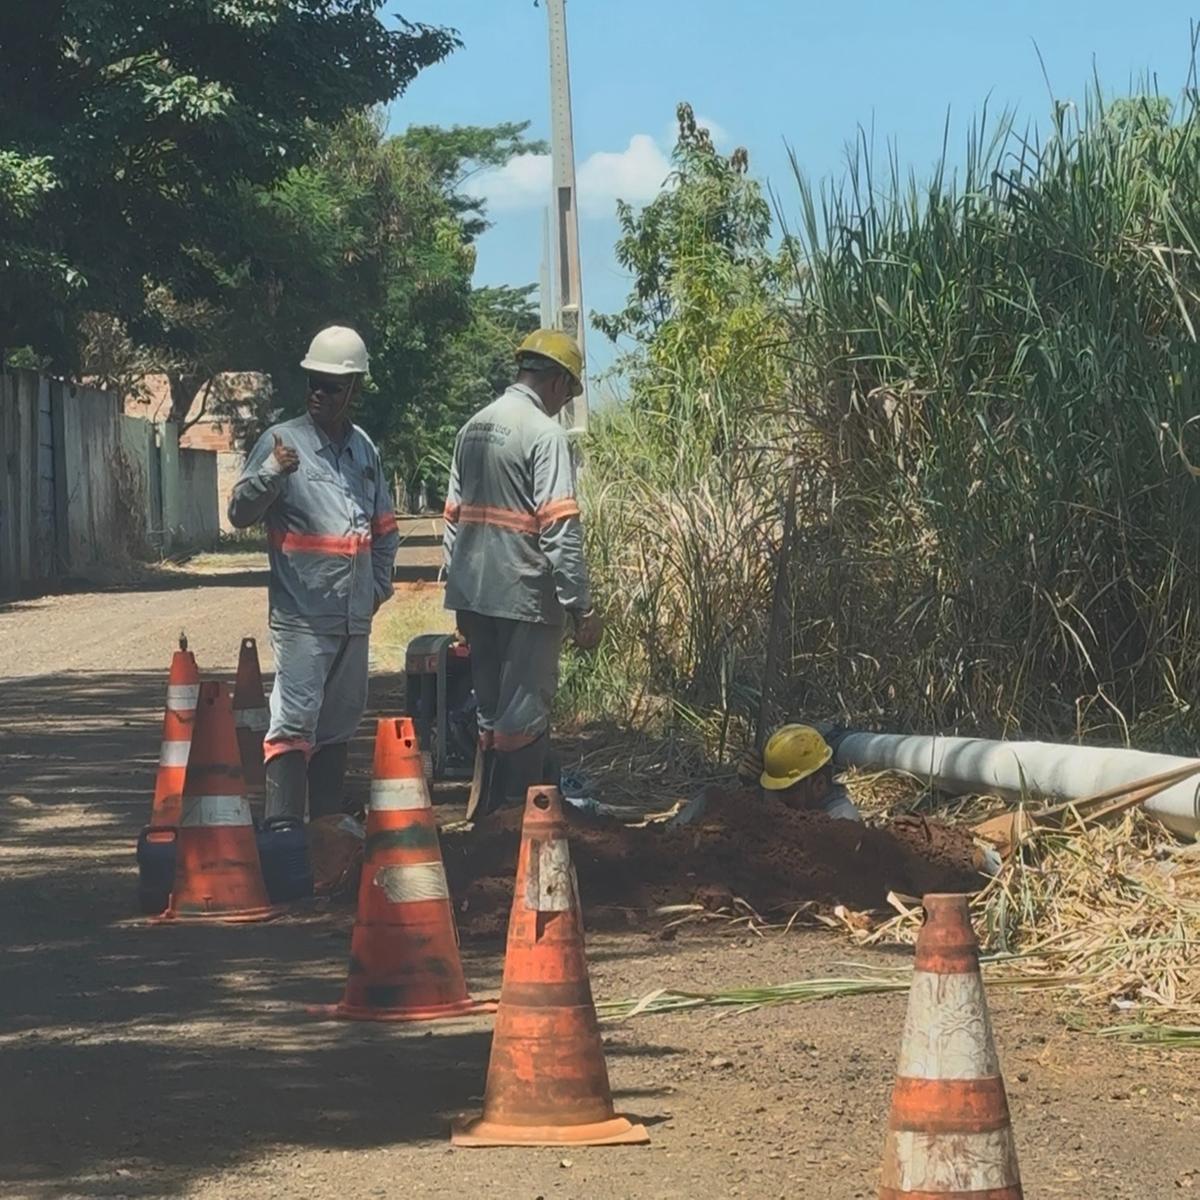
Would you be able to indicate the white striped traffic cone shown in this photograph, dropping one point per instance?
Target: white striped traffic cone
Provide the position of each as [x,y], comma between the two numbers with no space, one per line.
[949,1134]
[250,716]
[183,689]
[404,960]
[218,876]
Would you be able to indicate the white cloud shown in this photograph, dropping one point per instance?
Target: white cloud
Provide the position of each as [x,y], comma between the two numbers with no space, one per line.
[523,182]
[635,174]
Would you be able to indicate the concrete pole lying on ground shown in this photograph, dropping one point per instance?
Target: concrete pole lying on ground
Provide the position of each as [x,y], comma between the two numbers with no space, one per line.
[1049,770]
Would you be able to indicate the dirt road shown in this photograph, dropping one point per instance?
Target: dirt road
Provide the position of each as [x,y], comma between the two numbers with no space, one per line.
[150,1062]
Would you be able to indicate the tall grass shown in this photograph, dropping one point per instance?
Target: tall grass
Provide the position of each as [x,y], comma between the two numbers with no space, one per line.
[1010,544]
[995,534]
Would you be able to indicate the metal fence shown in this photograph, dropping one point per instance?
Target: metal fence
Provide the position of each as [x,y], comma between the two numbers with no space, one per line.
[83,486]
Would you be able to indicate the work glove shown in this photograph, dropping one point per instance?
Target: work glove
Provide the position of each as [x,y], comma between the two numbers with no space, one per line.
[750,768]
[589,627]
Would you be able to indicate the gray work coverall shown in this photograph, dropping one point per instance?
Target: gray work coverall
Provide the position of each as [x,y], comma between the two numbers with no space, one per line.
[514,564]
[332,539]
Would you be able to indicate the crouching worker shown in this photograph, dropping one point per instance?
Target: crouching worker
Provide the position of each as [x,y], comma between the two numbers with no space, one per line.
[796,766]
[317,484]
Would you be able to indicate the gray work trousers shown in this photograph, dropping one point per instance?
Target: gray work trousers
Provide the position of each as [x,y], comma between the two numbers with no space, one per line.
[320,690]
[514,667]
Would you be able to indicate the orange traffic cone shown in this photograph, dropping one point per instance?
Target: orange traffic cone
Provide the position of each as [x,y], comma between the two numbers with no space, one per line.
[183,687]
[547,1083]
[949,1134]
[404,961]
[250,716]
[217,873]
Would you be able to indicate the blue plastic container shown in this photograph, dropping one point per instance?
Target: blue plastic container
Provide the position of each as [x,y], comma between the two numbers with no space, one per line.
[283,852]
[156,867]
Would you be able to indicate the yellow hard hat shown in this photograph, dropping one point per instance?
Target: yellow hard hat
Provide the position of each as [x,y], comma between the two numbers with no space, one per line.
[793,753]
[559,347]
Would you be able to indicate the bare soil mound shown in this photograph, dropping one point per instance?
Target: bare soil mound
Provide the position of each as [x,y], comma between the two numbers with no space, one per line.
[745,846]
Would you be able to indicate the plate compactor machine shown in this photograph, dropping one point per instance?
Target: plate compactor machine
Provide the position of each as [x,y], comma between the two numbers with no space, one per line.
[441,703]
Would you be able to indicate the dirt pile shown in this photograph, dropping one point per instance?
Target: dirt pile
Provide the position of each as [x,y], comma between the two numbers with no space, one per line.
[744,845]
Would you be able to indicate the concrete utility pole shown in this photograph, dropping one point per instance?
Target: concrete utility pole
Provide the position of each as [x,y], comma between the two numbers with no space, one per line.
[546,286]
[569,300]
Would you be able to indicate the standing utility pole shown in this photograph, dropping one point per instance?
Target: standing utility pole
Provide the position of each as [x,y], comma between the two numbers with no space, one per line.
[569,300]
[546,287]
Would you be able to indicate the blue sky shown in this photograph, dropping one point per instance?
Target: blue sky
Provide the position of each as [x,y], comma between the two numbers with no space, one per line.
[765,74]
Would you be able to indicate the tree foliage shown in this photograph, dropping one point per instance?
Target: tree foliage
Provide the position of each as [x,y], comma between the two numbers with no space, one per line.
[131,129]
[193,187]
[705,312]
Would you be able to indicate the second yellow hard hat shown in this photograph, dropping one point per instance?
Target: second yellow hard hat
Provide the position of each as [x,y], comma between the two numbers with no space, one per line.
[793,753]
[559,347]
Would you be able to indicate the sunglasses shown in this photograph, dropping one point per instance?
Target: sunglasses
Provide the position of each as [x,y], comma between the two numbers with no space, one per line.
[328,385]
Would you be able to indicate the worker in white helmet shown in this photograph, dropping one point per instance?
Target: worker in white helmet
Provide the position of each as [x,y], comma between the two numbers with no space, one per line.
[316,482]
[515,569]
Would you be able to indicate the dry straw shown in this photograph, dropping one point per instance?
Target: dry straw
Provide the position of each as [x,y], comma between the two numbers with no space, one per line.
[1109,910]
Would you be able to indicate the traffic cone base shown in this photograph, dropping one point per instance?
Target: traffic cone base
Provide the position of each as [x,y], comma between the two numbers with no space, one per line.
[370,1012]
[615,1132]
[404,959]
[547,1082]
[949,1133]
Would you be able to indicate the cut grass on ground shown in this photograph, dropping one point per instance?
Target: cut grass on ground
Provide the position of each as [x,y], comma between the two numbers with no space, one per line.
[416,608]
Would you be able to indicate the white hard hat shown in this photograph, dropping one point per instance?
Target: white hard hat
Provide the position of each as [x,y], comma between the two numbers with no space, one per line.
[337,351]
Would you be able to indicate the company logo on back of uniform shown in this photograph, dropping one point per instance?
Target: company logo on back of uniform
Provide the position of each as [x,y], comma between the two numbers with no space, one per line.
[487,431]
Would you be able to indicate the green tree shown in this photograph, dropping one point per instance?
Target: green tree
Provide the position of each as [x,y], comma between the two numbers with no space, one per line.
[372,232]
[474,365]
[683,499]
[705,314]
[132,128]
[378,233]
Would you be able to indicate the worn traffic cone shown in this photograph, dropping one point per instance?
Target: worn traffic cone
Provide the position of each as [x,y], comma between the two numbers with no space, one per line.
[183,687]
[217,872]
[404,961]
[949,1135]
[250,716]
[547,1083]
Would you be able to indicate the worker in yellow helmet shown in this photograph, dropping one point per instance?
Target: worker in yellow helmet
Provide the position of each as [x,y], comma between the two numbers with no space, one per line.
[515,570]
[796,766]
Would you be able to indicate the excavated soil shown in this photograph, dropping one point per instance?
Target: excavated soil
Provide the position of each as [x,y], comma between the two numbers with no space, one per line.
[745,846]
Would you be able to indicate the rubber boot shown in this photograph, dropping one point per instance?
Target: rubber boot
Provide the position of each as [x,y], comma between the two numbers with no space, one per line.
[327,780]
[519,770]
[285,786]
[494,771]
[553,768]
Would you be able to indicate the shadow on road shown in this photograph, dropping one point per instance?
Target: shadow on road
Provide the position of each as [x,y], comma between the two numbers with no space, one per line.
[140,1058]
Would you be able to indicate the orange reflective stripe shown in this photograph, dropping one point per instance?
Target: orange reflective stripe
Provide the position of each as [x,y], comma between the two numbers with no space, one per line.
[319,543]
[501,518]
[383,525]
[278,746]
[451,512]
[557,510]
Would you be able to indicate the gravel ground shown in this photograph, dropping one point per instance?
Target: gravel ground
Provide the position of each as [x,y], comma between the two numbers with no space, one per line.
[144,1061]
